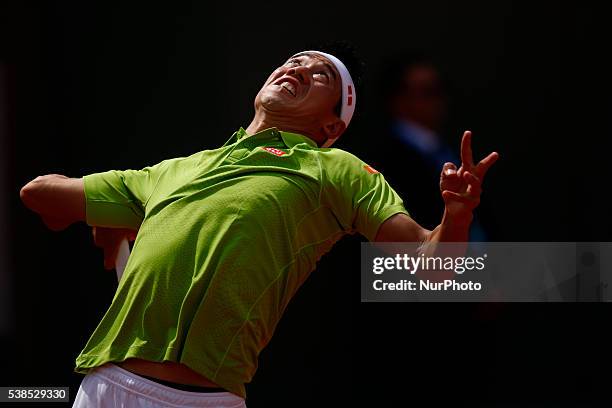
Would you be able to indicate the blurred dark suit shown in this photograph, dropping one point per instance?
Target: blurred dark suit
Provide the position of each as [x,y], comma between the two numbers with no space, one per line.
[412,151]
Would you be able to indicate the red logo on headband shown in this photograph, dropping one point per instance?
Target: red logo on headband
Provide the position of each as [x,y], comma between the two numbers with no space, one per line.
[350,95]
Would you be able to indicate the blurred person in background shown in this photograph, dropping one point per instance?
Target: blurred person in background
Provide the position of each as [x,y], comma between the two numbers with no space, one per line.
[416,104]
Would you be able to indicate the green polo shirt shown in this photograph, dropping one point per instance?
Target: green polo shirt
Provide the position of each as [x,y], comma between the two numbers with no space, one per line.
[226,237]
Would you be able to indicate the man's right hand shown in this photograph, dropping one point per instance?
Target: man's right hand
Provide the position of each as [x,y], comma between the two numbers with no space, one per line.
[109,240]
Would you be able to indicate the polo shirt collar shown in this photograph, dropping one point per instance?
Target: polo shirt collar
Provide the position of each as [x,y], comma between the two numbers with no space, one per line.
[290,139]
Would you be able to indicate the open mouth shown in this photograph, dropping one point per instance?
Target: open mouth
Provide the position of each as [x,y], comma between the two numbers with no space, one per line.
[290,85]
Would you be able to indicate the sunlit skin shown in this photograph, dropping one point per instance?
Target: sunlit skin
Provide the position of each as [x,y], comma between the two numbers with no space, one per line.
[300,96]
[460,189]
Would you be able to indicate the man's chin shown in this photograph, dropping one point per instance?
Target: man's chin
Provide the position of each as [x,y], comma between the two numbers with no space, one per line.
[276,103]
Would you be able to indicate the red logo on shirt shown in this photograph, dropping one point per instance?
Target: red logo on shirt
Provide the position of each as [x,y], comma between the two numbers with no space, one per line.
[370,169]
[274,151]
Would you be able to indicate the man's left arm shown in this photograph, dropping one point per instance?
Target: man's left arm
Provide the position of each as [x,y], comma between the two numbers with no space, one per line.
[460,188]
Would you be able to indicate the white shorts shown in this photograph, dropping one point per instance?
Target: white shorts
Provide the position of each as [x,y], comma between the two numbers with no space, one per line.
[110,386]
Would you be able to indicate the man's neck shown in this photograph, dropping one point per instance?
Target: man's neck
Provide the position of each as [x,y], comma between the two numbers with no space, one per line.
[257,125]
[260,123]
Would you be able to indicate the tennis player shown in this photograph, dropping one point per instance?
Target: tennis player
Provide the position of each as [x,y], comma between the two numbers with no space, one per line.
[225,238]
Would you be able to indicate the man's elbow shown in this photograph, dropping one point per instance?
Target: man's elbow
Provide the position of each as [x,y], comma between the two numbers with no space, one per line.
[28,192]
[401,228]
[31,193]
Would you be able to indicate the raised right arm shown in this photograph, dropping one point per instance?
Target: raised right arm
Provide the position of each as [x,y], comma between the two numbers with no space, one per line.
[59,200]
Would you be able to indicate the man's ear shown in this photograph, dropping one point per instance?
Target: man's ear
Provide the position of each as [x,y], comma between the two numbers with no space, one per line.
[334,128]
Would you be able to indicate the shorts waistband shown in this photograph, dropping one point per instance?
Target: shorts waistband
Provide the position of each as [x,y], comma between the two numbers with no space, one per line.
[162,393]
[183,387]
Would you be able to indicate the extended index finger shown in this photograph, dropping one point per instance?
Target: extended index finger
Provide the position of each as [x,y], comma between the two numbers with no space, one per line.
[467,160]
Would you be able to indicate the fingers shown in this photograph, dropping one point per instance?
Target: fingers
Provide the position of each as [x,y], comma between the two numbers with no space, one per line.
[449,169]
[467,157]
[101,236]
[466,150]
[471,195]
[474,185]
[465,184]
[448,195]
[486,163]
[110,255]
[109,239]
[469,201]
[449,177]
[96,237]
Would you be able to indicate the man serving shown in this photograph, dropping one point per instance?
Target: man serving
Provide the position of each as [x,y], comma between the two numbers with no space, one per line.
[225,238]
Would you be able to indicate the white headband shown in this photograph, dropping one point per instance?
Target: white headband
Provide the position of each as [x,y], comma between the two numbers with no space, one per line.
[349,97]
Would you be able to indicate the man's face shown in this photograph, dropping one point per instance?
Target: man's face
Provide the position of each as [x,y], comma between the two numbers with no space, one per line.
[306,88]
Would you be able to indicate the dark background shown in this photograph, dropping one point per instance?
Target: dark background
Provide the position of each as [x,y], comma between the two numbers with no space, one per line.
[93,86]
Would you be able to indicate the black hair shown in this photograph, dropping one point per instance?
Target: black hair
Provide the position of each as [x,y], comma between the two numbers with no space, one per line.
[345,52]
